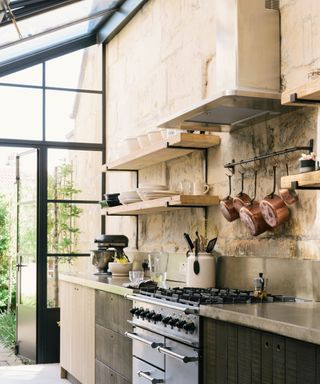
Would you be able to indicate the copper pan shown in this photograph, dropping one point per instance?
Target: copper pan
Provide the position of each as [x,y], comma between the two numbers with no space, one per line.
[226,206]
[288,195]
[242,199]
[273,208]
[251,216]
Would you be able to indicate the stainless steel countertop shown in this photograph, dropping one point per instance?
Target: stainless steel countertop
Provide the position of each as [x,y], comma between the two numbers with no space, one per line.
[102,282]
[300,320]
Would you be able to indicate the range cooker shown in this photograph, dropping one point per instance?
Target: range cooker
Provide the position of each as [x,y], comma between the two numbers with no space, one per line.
[167,330]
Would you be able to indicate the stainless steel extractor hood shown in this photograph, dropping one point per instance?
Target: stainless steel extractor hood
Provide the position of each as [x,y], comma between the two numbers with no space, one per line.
[246,70]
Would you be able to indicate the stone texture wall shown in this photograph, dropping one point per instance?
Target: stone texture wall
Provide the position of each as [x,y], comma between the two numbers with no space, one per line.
[162,62]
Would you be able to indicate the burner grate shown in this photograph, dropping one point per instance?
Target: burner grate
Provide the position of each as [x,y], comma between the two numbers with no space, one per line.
[204,296]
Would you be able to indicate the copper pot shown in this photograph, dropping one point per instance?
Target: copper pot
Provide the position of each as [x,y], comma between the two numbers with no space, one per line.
[226,206]
[252,218]
[242,199]
[289,196]
[273,208]
[228,210]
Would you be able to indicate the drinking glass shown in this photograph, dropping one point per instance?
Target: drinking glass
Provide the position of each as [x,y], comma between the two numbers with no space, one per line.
[158,262]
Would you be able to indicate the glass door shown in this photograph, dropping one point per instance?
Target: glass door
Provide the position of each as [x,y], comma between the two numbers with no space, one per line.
[26,244]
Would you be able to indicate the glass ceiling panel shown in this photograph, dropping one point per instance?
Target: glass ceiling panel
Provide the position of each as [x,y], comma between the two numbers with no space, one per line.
[56,18]
[54,27]
[25,47]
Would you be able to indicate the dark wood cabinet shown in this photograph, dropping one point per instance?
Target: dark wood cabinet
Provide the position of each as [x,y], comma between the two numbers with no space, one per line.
[235,354]
[113,349]
[106,375]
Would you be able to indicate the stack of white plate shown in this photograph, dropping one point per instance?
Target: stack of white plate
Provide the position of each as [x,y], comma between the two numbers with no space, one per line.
[129,197]
[154,191]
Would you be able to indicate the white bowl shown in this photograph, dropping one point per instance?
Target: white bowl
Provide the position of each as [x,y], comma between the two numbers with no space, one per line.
[143,140]
[131,144]
[120,269]
[131,195]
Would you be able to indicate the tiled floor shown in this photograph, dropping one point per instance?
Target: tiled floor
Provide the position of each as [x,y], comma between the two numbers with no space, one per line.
[35,374]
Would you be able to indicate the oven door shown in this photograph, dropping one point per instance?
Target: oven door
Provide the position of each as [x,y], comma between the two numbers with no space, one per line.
[144,346]
[182,363]
[144,373]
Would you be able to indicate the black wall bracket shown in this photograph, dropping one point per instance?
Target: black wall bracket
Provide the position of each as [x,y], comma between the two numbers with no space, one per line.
[295,99]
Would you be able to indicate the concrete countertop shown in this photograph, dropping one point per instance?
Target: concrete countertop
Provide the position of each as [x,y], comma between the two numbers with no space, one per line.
[100,282]
[300,320]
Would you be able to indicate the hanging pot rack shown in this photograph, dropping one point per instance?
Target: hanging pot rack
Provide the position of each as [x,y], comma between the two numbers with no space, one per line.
[231,166]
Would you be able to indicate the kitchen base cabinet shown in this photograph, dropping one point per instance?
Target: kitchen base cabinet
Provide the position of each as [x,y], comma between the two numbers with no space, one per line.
[235,354]
[113,349]
[106,375]
[77,327]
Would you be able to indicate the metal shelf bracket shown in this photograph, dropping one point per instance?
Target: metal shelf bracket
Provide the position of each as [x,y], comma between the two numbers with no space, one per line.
[295,99]
[295,185]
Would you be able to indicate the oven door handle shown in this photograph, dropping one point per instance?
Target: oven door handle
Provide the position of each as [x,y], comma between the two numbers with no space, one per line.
[134,336]
[184,359]
[146,375]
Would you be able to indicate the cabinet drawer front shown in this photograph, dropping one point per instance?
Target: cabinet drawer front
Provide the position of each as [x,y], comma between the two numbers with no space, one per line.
[105,375]
[113,311]
[114,350]
[141,366]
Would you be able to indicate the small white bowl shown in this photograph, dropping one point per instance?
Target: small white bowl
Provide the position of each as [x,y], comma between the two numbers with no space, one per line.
[119,269]
[155,136]
[143,140]
[131,144]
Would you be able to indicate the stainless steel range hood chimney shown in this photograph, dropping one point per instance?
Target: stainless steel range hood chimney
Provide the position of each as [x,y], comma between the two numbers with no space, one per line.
[247,69]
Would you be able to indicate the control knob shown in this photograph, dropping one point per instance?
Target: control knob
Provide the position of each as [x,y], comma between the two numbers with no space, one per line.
[189,327]
[173,322]
[139,312]
[134,310]
[145,313]
[150,315]
[181,324]
[166,320]
[156,317]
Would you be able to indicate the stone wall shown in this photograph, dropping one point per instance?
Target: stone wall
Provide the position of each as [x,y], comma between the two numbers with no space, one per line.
[162,62]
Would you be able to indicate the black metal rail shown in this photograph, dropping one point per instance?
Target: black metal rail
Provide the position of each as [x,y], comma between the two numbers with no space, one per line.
[231,166]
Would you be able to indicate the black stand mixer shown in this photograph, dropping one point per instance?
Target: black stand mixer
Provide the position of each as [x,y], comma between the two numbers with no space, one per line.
[110,247]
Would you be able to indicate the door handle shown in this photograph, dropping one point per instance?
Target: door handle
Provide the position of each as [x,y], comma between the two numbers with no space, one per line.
[184,359]
[134,336]
[146,375]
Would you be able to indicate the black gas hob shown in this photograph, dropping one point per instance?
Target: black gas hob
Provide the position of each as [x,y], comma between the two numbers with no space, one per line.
[204,296]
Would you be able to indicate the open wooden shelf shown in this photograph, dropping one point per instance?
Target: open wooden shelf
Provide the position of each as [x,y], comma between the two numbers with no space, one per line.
[170,148]
[306,94]
[162,205]
[307,179]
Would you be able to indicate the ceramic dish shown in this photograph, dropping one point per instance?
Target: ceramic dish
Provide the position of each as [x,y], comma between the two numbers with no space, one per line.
[128,201]
[151,195]
[153,187]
